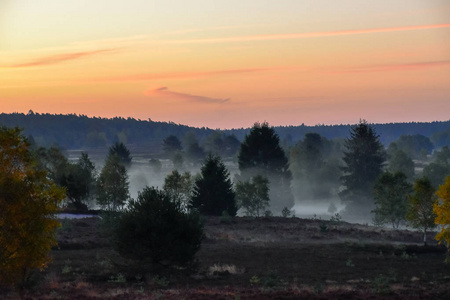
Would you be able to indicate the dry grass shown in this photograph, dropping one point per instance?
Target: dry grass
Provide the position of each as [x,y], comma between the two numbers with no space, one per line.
[218,269]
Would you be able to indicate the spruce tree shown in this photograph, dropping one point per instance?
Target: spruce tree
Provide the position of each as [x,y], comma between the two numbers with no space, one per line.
[213,191]
[364,160]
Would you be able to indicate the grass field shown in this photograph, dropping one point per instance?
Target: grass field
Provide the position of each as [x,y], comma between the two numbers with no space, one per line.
[251,258]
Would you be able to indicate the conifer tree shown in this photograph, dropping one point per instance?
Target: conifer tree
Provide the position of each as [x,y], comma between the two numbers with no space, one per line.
[213,191]
[364,160]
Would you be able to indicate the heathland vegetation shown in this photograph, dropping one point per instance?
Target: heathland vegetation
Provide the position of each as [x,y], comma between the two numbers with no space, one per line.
[205,180]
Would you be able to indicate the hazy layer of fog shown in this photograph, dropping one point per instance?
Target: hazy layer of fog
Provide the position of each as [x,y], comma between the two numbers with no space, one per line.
[142,174]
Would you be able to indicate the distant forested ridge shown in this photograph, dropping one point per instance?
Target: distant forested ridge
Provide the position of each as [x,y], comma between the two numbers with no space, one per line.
[79,131]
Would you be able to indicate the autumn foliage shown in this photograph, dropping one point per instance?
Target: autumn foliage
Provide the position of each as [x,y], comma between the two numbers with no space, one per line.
[28,200]
[442,210]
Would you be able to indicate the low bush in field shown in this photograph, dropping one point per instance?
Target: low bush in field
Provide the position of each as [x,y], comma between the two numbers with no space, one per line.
[154,228]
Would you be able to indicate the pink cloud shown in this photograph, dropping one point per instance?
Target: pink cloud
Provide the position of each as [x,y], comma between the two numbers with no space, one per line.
[184,75]
[397,67]
[55,59]
[288,36]
[164,92]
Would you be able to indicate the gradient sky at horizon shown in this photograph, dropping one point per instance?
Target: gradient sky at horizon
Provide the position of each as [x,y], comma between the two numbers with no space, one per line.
[228,64]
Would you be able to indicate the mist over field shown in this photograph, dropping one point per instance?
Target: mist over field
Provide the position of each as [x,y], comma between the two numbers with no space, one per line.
[141,174]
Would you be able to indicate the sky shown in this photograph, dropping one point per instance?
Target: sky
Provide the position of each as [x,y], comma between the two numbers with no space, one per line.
[228,64]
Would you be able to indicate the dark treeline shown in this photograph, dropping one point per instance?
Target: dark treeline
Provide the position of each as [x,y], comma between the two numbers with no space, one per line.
[79,131]
[390,132]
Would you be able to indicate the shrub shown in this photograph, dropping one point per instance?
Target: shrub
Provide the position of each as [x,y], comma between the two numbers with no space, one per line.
[154,228]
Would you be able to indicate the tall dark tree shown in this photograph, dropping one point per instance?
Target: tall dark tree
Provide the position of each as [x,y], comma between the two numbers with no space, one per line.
[364,160]
[213,191]
[122,152]
[261,154]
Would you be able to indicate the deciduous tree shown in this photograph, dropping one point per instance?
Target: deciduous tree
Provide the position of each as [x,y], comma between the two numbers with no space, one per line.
[179,187]
[420,211]
[171,145]
[253,195]
[112,184]
[401,162]
[391,199]
[28,202]
[442,211]
[79,181]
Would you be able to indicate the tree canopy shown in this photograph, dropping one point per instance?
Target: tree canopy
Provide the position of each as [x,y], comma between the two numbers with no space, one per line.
[261,154]
[401,162]
[253,195]
[122,152]
[112,184]
[179,187]
[28,202]
[391,198]
[171,145]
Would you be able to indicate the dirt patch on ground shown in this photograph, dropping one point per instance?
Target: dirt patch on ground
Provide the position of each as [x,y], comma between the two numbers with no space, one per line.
[252,258]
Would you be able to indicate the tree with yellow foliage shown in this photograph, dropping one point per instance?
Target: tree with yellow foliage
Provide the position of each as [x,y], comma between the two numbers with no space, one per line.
[442,211]
[28,202]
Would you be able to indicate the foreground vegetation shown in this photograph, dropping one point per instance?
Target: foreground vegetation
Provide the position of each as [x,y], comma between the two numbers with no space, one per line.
[250,258]
[159,234]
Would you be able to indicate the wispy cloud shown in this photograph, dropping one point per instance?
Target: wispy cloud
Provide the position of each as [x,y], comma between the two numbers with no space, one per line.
[396,67]
[164,91]
[289,36]
[215,28]
[59,58]
[183,75]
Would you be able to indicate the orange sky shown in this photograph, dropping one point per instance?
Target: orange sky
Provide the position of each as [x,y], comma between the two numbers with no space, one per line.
[225,64]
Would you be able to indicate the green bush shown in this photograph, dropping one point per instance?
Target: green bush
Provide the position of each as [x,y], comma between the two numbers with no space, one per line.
[155,229]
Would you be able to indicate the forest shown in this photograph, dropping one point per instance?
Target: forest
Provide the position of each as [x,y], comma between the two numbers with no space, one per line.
[81,132]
